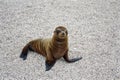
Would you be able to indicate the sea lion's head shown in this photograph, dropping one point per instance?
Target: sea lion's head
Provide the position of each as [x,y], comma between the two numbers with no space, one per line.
[60,32]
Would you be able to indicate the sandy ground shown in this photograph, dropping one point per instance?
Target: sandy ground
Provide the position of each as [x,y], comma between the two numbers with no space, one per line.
[94,34]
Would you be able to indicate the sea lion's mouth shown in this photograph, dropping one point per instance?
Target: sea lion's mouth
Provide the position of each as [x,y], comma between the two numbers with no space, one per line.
[62,37]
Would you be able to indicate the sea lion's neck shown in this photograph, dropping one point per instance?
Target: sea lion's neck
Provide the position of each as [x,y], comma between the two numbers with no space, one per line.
[59,42]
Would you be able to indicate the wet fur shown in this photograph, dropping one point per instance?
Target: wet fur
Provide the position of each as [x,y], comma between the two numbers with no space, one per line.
[52,48]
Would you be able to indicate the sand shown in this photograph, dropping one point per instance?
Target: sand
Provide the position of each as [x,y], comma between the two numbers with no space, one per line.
[94,34]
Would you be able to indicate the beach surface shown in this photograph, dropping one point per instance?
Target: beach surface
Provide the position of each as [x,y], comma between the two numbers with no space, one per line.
[94,34]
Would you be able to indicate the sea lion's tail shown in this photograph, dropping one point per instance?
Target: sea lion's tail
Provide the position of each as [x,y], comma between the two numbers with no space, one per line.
[24,52]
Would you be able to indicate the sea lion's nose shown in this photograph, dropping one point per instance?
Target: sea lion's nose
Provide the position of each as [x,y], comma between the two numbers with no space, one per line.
[63,33]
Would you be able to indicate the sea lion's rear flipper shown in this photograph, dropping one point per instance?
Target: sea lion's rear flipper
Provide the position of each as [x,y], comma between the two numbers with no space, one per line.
[49,65]
[24,52]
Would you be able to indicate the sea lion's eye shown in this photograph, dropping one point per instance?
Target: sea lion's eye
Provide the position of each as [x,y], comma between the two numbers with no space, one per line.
[58,31]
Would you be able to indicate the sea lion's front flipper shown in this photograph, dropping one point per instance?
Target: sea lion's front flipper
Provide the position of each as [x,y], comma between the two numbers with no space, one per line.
[49,65]
[71,60]
[75,59]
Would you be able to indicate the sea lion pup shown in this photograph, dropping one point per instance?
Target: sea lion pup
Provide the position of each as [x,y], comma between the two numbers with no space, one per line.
[53,48]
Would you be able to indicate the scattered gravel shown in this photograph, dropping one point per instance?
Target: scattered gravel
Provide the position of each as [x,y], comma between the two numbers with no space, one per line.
[94,34]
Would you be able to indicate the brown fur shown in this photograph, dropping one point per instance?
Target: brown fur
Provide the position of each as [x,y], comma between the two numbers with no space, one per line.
[52,48]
